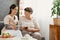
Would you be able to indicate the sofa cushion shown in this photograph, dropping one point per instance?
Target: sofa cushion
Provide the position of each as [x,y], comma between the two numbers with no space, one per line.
[1,26]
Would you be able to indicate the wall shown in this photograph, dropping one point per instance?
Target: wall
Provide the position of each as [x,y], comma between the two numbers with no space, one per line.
[42,11]
[4,7]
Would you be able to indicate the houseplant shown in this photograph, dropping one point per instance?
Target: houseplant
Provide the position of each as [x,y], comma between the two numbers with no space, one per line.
[56,10]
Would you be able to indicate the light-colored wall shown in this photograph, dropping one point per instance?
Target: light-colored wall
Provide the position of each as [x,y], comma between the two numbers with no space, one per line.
[42,11]
[4,7]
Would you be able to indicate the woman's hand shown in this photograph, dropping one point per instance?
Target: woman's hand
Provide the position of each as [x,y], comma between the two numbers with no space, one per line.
[35,30]
[22,28]
[14,27]
[32,30]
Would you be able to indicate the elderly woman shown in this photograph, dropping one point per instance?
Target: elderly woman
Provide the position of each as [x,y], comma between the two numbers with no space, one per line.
[29,25]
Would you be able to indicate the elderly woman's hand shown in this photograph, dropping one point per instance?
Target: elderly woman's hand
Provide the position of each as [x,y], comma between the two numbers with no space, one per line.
[32,30]
[22,28]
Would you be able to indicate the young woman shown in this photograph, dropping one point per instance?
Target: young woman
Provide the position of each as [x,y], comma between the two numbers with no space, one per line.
[29,25]
[11,19]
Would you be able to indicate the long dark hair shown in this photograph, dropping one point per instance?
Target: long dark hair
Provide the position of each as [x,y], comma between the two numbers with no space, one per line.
[12,7]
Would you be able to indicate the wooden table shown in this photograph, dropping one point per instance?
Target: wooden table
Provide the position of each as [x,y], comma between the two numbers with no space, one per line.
[54,33]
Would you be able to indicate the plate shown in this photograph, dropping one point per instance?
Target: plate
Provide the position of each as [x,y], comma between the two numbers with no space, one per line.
[9,37]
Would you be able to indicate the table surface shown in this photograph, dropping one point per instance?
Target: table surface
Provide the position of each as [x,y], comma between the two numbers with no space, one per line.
[18,38]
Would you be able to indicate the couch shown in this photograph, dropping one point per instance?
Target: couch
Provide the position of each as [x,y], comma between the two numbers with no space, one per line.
[1,27]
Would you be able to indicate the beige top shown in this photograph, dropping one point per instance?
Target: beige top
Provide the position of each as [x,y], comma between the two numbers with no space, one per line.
[10,20]
[31,24]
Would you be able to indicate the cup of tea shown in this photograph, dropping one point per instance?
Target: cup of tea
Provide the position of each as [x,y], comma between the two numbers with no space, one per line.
[26,27]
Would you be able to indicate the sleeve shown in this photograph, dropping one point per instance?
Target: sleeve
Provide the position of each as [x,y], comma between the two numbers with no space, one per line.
[36,24]
[6,20]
